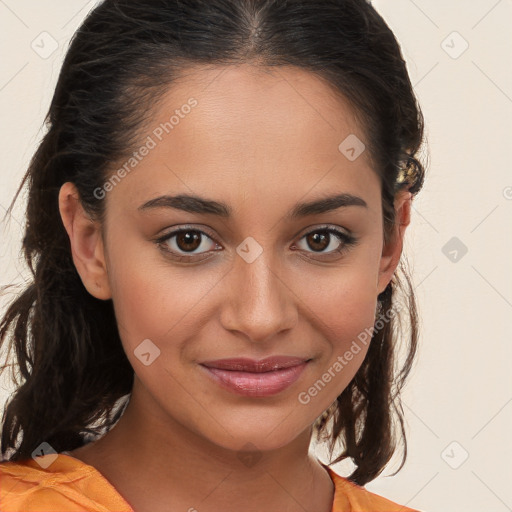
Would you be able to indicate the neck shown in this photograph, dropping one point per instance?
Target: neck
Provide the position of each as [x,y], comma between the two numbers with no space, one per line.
[153,465]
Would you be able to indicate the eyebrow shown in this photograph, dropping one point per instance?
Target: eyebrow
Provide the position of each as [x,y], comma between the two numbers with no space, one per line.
[195,204]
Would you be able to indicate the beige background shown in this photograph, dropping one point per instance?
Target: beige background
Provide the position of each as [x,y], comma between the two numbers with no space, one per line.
[458,400]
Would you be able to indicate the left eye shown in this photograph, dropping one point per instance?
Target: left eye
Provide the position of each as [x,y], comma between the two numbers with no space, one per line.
[322,238]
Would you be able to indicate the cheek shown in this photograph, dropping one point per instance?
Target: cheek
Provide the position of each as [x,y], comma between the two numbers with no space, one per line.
[154,301]
[341,302]
[347,321]
[342,310]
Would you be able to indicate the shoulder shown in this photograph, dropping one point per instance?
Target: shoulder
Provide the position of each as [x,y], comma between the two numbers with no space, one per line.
[349,494]
[59,484]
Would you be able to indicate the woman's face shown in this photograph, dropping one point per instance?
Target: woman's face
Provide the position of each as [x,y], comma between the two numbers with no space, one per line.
[255,275]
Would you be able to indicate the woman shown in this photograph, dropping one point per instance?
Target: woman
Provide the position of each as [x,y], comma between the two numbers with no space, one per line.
[216,219]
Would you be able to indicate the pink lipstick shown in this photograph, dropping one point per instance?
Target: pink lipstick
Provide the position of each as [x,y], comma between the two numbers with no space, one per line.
[249,377]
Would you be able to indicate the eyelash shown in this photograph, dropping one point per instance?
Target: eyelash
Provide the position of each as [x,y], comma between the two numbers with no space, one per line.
[346,240]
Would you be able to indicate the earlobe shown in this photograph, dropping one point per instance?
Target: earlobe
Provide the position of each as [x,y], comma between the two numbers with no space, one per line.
[392,251]
[86,243]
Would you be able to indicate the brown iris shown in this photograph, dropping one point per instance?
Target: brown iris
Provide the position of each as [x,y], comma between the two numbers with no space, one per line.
[187,238]
[319,241]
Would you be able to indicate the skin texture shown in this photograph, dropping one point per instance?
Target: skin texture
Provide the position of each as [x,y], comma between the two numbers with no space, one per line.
[260,141]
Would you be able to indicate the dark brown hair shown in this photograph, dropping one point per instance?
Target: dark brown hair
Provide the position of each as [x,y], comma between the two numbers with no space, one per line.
[74,372]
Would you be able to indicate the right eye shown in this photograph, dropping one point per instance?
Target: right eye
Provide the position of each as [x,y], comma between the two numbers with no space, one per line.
[183,243]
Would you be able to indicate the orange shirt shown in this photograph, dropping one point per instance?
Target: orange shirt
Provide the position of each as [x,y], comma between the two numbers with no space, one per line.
[68,484]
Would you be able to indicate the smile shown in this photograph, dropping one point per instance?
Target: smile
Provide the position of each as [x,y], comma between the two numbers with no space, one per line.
[256,378]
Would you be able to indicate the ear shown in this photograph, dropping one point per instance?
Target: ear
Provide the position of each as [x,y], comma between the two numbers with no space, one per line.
[86,243]
[392,250]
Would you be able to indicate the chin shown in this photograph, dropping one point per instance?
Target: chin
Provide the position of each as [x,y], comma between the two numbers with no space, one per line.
[260,436]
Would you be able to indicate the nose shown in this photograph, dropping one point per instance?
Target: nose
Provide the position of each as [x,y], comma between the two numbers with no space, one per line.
[259,302]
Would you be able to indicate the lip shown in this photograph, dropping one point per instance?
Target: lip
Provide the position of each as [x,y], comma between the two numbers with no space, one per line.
[250,377]
[245,364]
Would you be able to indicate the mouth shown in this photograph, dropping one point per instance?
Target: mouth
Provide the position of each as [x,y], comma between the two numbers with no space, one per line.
[256,378]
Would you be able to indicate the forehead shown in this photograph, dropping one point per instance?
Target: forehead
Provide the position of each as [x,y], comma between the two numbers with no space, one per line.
[246,130]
